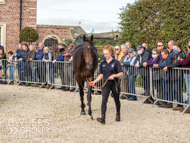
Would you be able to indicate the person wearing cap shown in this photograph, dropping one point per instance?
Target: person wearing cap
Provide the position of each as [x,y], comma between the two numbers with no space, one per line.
[142,57]
[118,54]
[48,58]
[68,69]
[129,63]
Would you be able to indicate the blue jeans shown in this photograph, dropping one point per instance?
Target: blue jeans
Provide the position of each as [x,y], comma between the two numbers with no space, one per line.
[167,90]
[20,69]
[5,72]
[11,72]
[34,76]
[177,91]
[51,75]
[131,85]
[187,82]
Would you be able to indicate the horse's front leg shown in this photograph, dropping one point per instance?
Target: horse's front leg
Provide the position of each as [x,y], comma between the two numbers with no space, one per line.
[89,99]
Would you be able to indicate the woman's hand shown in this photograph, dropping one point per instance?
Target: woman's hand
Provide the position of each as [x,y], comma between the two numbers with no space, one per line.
[155,65]
[166,69]
[145,64]
[111,77]
[54,61]
[92,83]
[46,61]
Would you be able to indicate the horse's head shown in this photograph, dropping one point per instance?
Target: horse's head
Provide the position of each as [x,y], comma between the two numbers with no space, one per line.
[88,52]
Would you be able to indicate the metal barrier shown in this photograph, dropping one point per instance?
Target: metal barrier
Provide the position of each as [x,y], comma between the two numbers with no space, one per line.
[171,86]
[7,68]
[28,72]
[136,82]
[61,74]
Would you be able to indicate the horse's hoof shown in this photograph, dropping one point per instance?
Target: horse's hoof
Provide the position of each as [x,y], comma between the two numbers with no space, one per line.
[82,113]
[90,118]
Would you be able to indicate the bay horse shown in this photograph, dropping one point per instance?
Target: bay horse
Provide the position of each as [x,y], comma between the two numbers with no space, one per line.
[85,62]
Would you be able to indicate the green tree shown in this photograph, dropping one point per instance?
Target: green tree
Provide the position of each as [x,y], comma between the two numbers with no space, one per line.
[151,21]
[29,35]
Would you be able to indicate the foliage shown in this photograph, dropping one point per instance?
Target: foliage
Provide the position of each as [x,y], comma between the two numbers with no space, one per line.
[151,21]
[29,35]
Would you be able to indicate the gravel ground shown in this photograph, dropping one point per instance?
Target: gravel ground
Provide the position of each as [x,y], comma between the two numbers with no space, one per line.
[40,115]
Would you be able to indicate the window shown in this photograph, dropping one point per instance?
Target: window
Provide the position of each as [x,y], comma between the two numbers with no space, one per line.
[1,34]
[2,1]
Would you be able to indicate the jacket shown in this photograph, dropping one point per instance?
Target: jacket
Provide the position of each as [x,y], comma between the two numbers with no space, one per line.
[119,56]
[164,63]
[32,54]
[3,57]
[155,71]
[145,56]
[40,54]
[48,57]
[123,57]
[19,53]
[131,69]
[185,63]
[176,74]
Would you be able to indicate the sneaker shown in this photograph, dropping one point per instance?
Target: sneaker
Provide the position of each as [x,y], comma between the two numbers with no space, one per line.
[178,108]
[187,111]
[72,90]
[123,97]
[162,105]
[169,105]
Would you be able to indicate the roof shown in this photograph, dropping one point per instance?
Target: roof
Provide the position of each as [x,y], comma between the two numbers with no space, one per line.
[74,30]
[106,35]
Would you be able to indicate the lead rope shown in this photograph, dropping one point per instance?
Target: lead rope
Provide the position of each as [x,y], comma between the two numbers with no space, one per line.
[101,87]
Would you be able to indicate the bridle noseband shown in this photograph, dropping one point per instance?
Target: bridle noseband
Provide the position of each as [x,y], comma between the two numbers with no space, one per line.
[85,56]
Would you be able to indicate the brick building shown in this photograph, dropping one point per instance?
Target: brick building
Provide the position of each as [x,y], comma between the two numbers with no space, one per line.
[18,14]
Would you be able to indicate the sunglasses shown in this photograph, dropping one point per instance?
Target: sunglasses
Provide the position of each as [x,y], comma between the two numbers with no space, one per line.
[116,49]
[159,45]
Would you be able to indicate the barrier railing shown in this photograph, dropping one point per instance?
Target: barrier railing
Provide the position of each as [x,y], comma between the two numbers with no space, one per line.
[171,86]
[7,68]
[61,74]
[28,72]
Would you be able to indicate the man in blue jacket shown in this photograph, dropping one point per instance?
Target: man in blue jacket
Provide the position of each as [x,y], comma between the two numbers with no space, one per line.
[60,64]
[26,64]
[41,66]
[18,55]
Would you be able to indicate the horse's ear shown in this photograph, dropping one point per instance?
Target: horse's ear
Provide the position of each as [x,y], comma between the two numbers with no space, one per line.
[92,38]
[84,38]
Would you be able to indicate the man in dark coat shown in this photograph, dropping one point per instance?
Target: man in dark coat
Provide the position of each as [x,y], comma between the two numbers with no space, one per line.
[142,57]
[26,63]
[177,76]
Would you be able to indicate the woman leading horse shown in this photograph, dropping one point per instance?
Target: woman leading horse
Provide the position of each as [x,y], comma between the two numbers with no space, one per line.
[111,70]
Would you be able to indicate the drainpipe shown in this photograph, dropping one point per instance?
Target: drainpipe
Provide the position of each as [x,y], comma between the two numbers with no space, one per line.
[20,16]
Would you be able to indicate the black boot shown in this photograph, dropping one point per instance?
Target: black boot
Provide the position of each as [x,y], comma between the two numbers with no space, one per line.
[102,119]
[117,117]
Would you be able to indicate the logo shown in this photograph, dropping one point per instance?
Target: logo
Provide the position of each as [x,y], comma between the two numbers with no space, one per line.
[103,65]
[112,65]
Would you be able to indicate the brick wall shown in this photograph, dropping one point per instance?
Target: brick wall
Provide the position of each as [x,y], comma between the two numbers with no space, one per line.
[10,14]
[61,33]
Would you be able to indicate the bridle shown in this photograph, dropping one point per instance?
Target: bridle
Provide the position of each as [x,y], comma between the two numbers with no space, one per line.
[85,56]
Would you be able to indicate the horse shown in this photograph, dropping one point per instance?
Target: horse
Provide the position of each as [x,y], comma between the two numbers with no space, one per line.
[85,62]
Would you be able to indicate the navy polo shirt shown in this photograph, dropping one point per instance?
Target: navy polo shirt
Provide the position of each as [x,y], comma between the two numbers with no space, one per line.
[114,67]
